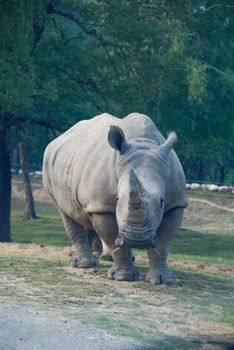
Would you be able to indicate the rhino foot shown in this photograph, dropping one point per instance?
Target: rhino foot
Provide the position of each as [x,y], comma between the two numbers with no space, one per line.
[159,276]
[84,263]
[127,274]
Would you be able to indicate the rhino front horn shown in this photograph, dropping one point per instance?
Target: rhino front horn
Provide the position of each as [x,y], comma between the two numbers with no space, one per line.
[136,190]
[170,142]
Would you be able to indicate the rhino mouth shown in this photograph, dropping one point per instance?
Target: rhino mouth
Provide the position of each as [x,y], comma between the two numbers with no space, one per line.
[136,237]
[123,242]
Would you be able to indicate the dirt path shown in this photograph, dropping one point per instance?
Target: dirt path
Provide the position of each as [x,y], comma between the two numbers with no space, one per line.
[211,204]
[23,328]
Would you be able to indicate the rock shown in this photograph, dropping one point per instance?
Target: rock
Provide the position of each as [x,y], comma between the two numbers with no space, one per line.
[213,188]
[195,186]
[37,173]
[223,188]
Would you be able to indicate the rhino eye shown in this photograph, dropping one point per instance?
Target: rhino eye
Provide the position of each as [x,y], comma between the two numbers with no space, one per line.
[161,202]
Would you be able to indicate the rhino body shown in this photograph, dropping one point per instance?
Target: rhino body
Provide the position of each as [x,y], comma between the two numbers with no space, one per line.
[121,179]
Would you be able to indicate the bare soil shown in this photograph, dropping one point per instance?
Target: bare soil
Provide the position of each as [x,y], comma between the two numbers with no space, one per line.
[57,251]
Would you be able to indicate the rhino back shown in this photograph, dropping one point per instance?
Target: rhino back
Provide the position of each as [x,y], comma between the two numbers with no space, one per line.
[78,168]
[137,125]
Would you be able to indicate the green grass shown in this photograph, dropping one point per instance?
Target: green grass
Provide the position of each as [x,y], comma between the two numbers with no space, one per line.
[207,247]
[200,247]
[47,230]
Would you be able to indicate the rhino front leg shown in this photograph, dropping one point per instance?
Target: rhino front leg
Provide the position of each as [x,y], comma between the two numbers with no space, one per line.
[159,272]
[81,240]
[123,268]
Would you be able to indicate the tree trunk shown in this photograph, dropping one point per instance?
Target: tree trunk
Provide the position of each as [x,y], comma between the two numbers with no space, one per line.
[29,209]
[5,189]
[221,174]
[200,171]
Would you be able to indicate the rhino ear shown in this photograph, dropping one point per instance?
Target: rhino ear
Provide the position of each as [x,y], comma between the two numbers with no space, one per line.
[170,142]
[116,139]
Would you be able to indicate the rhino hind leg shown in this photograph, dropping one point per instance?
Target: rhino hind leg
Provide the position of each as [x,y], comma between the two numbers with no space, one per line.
[97,246]
[123,268]
[101,250]
[159,272]
[81,240]
[106,253]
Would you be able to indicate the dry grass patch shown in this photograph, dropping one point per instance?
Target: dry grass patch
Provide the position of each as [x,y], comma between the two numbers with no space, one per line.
[194,313]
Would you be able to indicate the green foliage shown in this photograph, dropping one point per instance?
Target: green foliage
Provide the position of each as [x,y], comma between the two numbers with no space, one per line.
[69,60]
[197,83]
[16,72]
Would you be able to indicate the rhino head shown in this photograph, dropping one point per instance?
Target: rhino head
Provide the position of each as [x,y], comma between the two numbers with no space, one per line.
[142,169]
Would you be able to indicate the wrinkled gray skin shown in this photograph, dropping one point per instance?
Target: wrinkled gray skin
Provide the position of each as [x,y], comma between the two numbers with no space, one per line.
[121,179]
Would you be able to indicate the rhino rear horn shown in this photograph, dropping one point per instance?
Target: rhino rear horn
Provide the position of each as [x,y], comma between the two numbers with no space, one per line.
[170,142]
[116,139]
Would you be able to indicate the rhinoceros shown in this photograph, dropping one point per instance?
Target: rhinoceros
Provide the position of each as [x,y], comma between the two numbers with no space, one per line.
[120,179]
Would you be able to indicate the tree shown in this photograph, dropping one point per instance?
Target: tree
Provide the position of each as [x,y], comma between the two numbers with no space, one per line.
[16,77]
[66,60]
[170,61]
[5,189]
[29,209]
[19,35]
